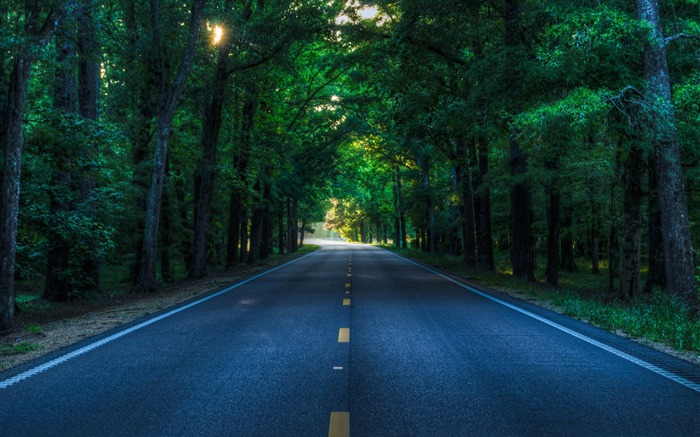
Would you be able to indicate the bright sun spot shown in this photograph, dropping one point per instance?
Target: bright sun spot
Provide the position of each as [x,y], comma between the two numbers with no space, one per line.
[217,34]
[368,12]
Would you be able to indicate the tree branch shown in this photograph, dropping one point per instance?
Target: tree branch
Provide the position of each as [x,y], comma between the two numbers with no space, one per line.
[670,39]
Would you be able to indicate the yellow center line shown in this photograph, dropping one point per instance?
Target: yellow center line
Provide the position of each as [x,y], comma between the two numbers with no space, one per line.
[344,335]
[340,424]
[346,302]
[349,275]
[348,285]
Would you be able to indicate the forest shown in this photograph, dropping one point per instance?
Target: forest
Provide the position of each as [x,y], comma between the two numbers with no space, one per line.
[161,139]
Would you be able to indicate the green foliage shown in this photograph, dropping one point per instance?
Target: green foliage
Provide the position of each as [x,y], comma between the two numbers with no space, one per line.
[20,348]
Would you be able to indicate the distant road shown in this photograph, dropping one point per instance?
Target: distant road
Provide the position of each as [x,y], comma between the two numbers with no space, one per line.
[353,339]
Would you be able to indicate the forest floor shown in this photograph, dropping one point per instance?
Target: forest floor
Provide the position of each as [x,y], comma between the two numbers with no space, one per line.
[44,327]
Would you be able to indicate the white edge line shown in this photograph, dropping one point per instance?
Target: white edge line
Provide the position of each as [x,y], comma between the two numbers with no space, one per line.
[659,371]
[63,358]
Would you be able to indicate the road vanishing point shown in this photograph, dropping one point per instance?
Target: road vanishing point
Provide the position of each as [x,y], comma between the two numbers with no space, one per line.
[353,340]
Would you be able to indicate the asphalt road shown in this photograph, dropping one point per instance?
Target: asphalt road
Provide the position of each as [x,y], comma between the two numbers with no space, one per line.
[353,339]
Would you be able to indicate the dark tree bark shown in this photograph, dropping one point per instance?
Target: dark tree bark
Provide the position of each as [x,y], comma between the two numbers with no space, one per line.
[464,178]
[430,240]
[614,244]
[568,259]
[553,225]
[292,225]
[59,282]
[677,243]
[243,250]
[280,228]
[267,222]
[234,230]
[656,278]
[521,249]
[11,144]
[210,138]
[397,208]
[168,100]
[166,271]
[88,97]
[522,254]
[632,239]
[484,240]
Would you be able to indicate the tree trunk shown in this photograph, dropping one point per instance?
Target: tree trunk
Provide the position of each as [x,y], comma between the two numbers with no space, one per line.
[293,225]
[484,240]
[166,271]
[280,228]
[521,250]
[568,259]
[234,230]
[632,238]
[522,255]
[553,222]
[424,164]
[60,282]
[244,234]
[88,97]
[656,278]
[677,244]
[210,139]
[146,280]
[11,143]
[397,208]
[464,179]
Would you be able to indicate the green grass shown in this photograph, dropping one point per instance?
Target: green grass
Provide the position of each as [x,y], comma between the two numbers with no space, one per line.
[657,317]
[20,348]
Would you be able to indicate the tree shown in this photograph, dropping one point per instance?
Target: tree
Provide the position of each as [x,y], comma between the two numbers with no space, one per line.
[678,255]
[38,20]
[168,98]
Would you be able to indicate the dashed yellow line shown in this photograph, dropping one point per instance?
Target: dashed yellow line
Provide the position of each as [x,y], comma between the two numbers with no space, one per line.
[346,302]
[340,424]
[344,335]
[348,285]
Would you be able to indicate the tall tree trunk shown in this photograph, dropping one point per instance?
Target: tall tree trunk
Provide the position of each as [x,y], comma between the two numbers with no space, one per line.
[656,277]
[210,139]
[234,230]
[11,143]
[244,234]
[568,258]
[677,244]
[466,210]
[145,91]
[424,164]
[632,238]
[553,224]
[521,249]
[483,198]
[522,254]
[397,208]
[293,225]
[614,244]
[146,280]
[59,283]
[88,97]
[280,228]
[166,271]
[267,222]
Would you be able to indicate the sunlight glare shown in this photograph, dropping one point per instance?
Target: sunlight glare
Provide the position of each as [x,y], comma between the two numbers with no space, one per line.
[217,34]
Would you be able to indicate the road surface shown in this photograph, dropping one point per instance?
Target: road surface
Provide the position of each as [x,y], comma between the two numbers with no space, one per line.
[353,340]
